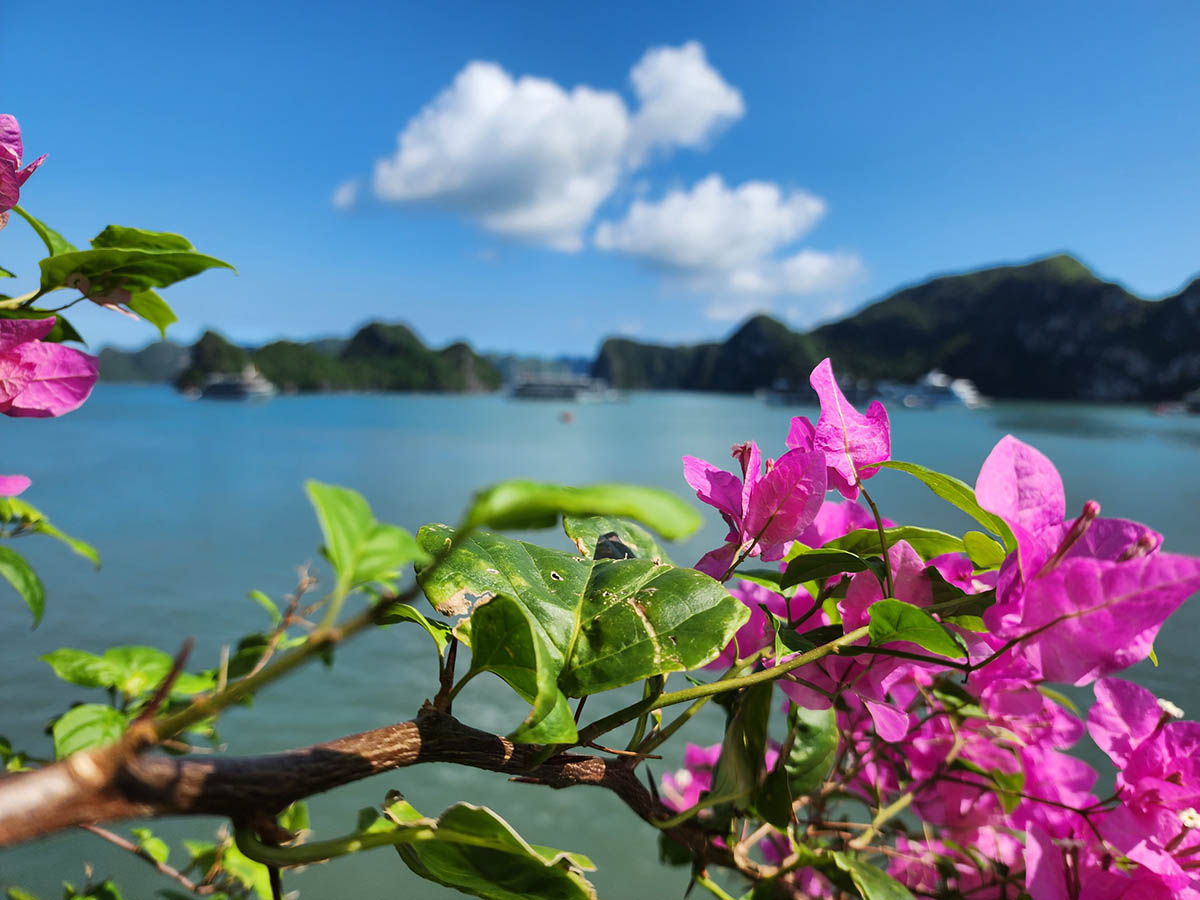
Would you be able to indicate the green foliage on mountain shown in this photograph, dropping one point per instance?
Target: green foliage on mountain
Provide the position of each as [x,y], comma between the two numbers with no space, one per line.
[379,357]
[1049,329]
[160,361]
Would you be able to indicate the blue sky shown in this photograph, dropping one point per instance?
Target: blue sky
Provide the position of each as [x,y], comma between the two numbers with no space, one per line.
[534,177]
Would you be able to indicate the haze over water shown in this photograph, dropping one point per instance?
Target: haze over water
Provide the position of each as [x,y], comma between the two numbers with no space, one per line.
[193,504]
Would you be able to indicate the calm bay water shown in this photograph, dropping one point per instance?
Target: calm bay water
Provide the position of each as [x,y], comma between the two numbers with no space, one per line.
[193,504]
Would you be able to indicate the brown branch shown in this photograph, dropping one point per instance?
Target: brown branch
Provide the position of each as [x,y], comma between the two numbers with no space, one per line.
[162,867]
[118,782]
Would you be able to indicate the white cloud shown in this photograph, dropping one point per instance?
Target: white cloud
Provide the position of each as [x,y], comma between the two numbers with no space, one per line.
[712,227]
[731,244]
[528,159]
[682,99]
[345,195]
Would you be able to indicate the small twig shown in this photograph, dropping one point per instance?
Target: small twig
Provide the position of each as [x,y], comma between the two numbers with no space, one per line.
[887,564]
[164,689]
[615,752]
[164,869]
[444,699]
[223,669]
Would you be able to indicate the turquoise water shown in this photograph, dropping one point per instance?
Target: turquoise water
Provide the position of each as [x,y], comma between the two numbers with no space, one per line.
[193,504]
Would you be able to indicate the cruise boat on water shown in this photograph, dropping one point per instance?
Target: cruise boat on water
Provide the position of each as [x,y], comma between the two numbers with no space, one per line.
[579,388]
[933,389]
[249,385]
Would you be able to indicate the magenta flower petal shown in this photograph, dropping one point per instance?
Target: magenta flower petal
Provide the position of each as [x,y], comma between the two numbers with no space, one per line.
[891,723]
[850,439]
[1105,614]
[834,520]
[1019,484]
[23,174]
[786,500]
[714,486]
[22,331]
[717,562]
[62,380]
[1123,716]
[10,136]
[15,376]
[13,485]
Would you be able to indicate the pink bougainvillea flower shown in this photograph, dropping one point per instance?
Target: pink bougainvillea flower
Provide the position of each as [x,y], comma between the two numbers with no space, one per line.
[1087,596]
[850,439]
[13,485]
[765,511]
[39,379]
[12,176]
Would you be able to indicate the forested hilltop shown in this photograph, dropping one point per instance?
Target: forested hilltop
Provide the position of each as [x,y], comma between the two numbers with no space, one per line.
[1049,329]
[379,357]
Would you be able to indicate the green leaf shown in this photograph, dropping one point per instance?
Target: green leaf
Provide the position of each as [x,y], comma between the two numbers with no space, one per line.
[55,242]
[743,749]
[155,846]
[81,548]
[360,549]
[133,269]
[957,493]
[871,882]
[586,531]
[138,670]
[531,504]
[24,580]
[821,564]
[476,852]
[404,612]
[606,622]
[894,620]
[81,668]
[814,747]
[985,553]
[505,641]
[15,893]
[768,578]
[154,309]
[295,817]
[137,238]
[246,871]
[773,798]
[927,542]
[89,725]
[267,604]
[4,273]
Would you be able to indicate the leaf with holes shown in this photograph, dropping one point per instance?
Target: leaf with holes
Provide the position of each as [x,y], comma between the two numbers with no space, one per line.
[505,642]
[602,623]
[586,531]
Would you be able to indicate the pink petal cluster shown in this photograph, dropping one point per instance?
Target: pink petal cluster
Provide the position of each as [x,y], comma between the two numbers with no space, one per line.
[37,378]
[12,175]
[1085,597]
[849,439]
[979,745]
[765,510]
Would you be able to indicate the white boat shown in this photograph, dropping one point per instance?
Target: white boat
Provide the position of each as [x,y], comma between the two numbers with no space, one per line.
[579,388]
[249,385]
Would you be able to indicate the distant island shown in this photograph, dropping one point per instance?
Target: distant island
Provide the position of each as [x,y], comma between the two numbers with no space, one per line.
[1048,329]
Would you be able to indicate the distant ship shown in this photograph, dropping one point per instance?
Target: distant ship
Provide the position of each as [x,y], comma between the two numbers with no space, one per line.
[935,388]
[580,388]
[249,385]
